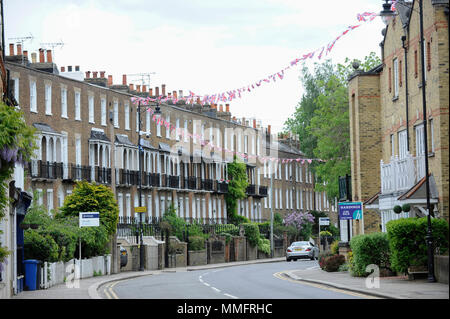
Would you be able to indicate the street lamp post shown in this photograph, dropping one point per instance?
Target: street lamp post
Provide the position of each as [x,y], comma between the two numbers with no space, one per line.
[140,151]
[387,14]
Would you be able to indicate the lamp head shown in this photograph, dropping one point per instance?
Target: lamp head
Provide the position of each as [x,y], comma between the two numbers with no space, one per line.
[387,14]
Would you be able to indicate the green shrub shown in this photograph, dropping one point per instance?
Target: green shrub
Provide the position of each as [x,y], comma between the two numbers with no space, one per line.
[264,245]
[332,263]
[369,249]
[177,223]
[196,243]
[252,233]
[408,244]
[334,247]
[40,247]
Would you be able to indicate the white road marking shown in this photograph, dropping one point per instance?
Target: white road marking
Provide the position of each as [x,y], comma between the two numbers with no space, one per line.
[215,289]
[231,296]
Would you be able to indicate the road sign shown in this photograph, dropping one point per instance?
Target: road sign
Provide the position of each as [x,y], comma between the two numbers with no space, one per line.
[141,209]
[89,219]
[324,221]
[350,210]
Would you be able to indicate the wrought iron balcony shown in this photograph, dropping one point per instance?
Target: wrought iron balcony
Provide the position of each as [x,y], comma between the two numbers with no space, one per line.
[262,191]
[251,190]
[174,181]
[207,184]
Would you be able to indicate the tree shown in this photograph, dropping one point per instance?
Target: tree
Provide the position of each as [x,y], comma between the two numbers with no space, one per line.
[302,221]
[321,120]
[89,197]
[236,190]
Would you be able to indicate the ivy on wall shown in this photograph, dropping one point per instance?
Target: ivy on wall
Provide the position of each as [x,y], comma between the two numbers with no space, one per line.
[236,190]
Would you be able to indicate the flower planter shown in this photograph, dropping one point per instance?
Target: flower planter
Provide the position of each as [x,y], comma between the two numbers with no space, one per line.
[34,226]
[24,226]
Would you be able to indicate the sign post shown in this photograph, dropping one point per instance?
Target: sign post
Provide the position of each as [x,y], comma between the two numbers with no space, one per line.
[87,219]
[325,221]
[349,211]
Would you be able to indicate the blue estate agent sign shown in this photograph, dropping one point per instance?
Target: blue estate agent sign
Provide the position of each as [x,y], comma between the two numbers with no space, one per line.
[89,219]
[350,210]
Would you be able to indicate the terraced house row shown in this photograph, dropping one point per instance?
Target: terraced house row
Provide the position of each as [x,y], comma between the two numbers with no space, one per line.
[87,129]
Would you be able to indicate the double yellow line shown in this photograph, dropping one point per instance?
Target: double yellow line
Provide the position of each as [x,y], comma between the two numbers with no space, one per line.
[109,292]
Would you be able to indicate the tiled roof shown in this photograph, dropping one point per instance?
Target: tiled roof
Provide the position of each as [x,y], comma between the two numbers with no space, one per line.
[44,128]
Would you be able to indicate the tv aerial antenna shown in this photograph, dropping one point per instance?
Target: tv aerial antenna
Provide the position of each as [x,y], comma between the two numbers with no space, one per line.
[22,40]
[53,45]
[144,77]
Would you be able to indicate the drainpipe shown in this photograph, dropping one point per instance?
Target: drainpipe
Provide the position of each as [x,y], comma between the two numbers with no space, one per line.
[406,91]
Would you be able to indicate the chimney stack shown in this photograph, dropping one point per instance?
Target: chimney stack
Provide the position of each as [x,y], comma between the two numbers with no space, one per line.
[144,88]
[268,129]
[131,87]
[163,89]
[110,80]
[33,57]
[150,92]
[49,56]
[102,73]
[19,49]
[227,108]
[157,91]
[63,69]
[25,54]
[124,79]
[220,108]
[11,49]
[41,56]
[94,74]
[138,87]
[88,74]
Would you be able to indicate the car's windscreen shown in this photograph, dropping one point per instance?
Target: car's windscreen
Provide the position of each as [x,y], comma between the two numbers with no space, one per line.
[300,243]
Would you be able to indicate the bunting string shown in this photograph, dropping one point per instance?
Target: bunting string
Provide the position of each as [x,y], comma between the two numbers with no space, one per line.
[229,96]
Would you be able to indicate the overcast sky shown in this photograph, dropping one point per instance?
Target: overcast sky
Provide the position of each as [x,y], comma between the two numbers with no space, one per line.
[207,47]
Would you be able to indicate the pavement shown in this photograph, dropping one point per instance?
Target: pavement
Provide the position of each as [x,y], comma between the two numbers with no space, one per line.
[389,287]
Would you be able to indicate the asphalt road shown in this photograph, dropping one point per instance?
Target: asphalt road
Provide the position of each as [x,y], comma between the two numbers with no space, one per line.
[255,281]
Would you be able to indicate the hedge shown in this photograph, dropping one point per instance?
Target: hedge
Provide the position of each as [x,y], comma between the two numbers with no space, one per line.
[408,244]
[369,249]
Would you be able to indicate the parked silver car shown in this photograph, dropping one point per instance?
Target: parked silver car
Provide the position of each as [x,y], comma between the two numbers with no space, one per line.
[302,249]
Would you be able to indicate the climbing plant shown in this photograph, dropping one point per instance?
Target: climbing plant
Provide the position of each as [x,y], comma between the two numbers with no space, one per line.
[17,144]
[236,190]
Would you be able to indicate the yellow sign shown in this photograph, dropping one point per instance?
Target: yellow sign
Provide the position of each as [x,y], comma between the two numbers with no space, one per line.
[140,209]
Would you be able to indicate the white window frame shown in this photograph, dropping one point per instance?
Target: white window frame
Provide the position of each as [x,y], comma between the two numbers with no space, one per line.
[168,129]
[77,97]
[127,116]
[91,109]
[33,98]
[396,78]
[120,202]
[116,114]
[103,110]
[64,102]
[48,98]
[402,144]
[431,125]
[50,205]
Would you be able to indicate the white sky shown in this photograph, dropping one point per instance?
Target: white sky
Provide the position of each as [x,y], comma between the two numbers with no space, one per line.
[207,47]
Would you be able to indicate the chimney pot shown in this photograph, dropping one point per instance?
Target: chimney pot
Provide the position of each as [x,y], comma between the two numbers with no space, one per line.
[220,108]
[268,128]
[157,91]
[150,92]
[110,80]
[11,49]
[94,74]
[19,49]
[163,89]
[144,88]
[124,79]
[49,56]
[63,69]
[102,73]
[41,56]
[138,87]
[88,74]
[25,54]
[33,57]
[131,87]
